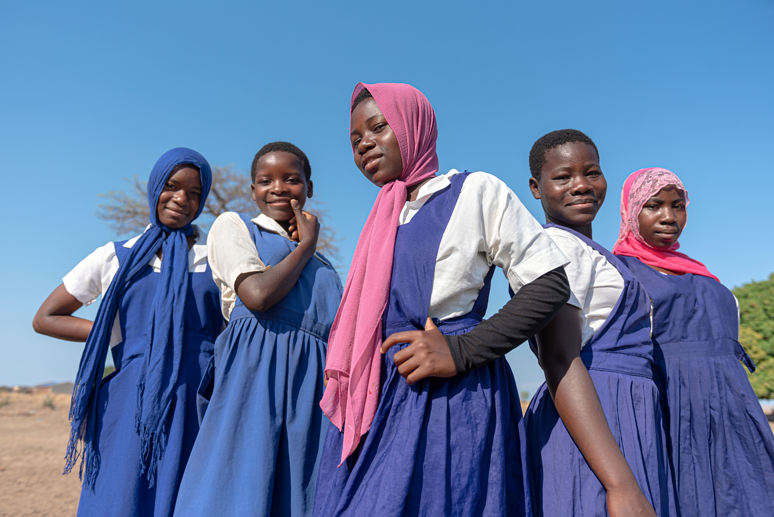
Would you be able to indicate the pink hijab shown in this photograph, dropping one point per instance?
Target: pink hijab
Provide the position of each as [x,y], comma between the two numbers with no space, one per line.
[354,362]
[638,188]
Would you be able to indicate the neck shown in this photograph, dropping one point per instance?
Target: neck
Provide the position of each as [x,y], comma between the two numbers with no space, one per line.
[413,190]
[584,230]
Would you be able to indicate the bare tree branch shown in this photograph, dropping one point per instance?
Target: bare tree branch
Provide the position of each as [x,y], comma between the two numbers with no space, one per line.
[126,211]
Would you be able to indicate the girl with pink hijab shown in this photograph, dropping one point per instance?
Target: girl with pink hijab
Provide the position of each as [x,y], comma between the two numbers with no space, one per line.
[415,429]
[722,448]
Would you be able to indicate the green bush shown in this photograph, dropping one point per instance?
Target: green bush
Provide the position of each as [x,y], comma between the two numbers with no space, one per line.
[756,307]
[108,370]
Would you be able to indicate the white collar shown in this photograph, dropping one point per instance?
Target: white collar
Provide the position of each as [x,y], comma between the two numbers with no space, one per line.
[196,255]
[428,189]
[267,223]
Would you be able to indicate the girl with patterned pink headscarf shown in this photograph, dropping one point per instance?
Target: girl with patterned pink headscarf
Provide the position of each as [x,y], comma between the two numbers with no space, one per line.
[722,448]
[415,429]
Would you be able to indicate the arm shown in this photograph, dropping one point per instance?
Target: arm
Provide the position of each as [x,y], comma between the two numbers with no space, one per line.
[260,291]
[55,319]
[431,354]
[578,405]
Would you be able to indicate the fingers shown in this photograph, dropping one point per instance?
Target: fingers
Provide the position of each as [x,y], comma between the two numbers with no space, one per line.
[398,337]
[429,325]
[296,207]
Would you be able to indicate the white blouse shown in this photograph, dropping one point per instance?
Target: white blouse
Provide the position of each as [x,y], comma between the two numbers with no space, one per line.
[596,284]
[489,225]
[232,252]
[93,275]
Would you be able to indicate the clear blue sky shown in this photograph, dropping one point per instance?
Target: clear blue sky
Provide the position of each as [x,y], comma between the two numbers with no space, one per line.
[95,92]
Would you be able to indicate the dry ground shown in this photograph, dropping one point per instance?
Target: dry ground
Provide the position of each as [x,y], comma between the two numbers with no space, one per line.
[33,437]
[32,446]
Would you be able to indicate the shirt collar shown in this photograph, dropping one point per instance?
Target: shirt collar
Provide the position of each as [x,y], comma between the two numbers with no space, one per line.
[431,187]
[267,223]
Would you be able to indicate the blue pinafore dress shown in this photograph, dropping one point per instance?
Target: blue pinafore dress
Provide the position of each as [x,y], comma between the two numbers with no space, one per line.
[620,360]
[261,438]
[721,445]
[442,446]
[120,488]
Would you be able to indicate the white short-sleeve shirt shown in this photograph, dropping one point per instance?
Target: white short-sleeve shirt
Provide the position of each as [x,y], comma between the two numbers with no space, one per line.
[232,252]
[93,275]
[488,226]
[596,284]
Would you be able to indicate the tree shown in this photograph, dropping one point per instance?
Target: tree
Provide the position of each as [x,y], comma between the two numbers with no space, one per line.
[126,211]
[756,333]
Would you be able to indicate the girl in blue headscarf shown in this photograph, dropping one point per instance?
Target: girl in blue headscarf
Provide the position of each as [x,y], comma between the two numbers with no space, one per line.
[160,314]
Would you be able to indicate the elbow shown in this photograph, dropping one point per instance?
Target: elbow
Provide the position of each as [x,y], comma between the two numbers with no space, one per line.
[258,304]
[37,324]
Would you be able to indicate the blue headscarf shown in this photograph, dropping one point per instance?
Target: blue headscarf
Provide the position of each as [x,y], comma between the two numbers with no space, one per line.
[164,349]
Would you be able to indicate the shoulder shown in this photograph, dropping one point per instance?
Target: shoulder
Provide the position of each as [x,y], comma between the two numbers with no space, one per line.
[482,182]
[570,244]
[227,223]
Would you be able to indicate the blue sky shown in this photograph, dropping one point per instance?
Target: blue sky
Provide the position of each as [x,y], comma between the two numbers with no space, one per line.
[95,92]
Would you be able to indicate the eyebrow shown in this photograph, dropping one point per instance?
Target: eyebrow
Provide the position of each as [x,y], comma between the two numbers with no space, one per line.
[369,119]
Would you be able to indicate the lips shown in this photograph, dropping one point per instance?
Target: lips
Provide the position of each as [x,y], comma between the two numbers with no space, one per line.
[585,201]
[176,212]
[369,162]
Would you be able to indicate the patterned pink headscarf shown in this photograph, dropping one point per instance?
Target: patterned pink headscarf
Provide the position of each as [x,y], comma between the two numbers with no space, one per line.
[638,188]
[354,362]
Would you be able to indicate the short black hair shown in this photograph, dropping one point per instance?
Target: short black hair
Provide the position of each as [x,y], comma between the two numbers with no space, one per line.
[285,147]
[552,140]
[361,96]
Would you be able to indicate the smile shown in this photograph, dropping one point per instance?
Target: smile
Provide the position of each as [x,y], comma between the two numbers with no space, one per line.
[370,163]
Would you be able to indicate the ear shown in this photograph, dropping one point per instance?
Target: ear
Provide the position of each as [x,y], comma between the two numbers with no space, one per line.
[252,192]
[534,187]
[309,188]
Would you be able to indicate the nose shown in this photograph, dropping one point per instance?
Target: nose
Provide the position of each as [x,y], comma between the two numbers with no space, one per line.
[278,187]
[581,185]
[366,143]
[180,197]
[668,215]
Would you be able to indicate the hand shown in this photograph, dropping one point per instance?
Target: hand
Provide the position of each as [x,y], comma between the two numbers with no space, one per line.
[628,503]
[303,227]
[428,354]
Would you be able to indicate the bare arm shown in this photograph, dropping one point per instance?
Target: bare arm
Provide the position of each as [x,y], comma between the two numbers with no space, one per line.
[55,319]
[578,405]
[260,291]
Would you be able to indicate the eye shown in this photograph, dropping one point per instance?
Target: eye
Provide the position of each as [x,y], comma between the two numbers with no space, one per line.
[379,127]
[651,206]
[355,143]
[169,186]
[595,173]
[292,181]
[263,181]
[196,194]
[563,177]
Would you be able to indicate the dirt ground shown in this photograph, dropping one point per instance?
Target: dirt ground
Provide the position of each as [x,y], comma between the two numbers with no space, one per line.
[33,437]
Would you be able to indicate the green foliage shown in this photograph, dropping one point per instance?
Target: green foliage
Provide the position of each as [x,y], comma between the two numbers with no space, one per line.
[108,370]
[48,402]
[756,307]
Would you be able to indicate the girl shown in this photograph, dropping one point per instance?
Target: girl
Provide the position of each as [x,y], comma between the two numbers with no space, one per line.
[598,359]
[401,443]
[721,446]
[159,317]
[261,438]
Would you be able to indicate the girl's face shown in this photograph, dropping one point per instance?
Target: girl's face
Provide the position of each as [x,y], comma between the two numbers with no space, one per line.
[663,217]
[280,178]
[375,146]
[180,198]
[571,187]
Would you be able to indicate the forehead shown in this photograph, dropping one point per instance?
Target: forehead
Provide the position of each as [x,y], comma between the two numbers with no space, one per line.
[571,153]
[278,161]
[669,193]
[367,109]
[186,174]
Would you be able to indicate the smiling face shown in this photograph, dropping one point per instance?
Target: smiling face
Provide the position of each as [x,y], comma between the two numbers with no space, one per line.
[180,199]
[571,186]
[663,218]
[374,144]
[280,178]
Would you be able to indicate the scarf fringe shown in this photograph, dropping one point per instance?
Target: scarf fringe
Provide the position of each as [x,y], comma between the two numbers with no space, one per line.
[153,447]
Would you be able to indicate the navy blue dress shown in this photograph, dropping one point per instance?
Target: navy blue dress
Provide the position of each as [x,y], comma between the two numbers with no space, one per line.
[261,438]
[442,446]
[620,360]
[120,488]
[721,445]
